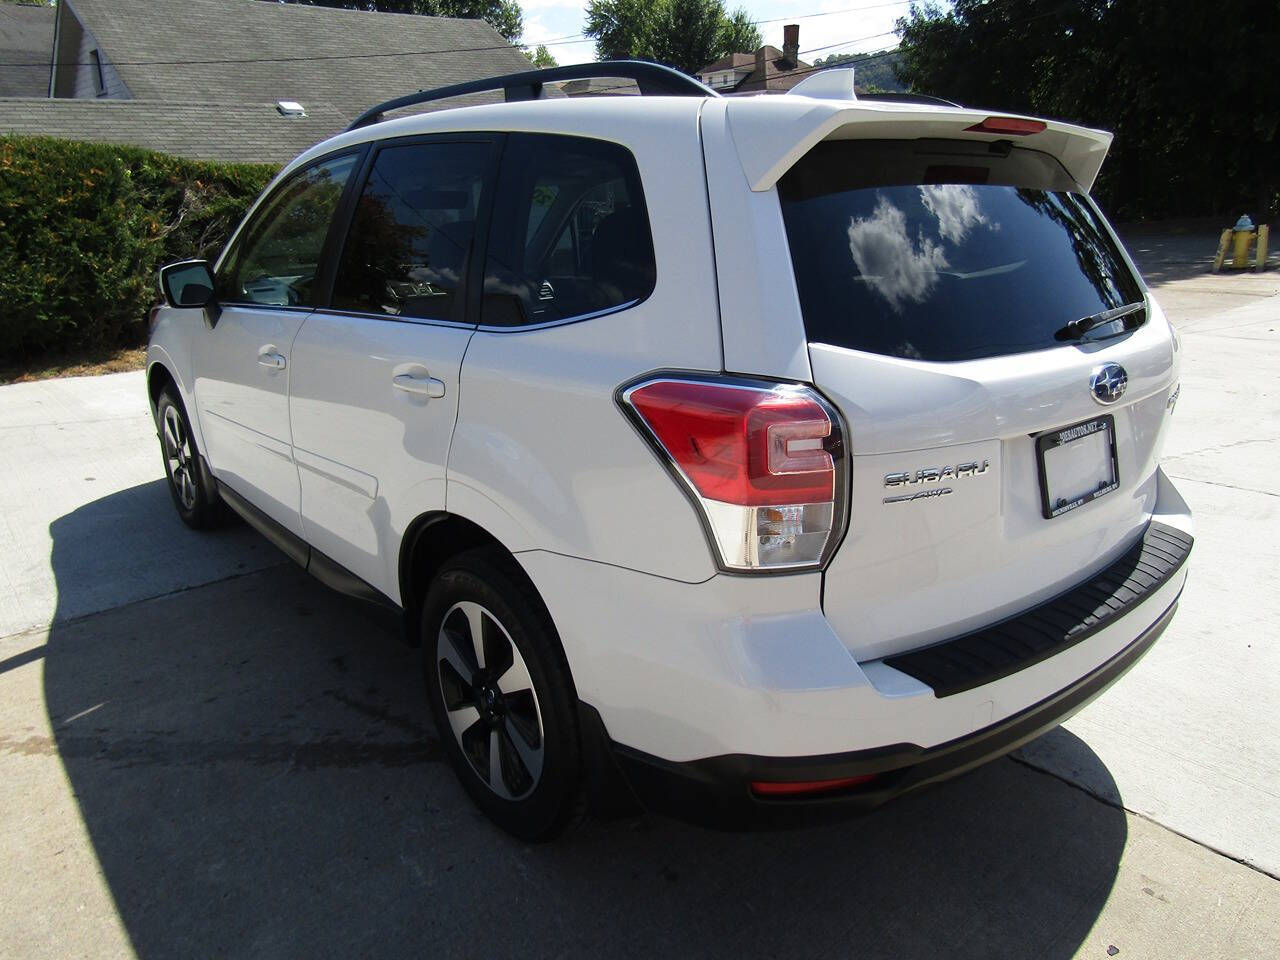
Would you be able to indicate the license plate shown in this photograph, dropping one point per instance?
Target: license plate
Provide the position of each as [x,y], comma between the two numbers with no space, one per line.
[1077,464]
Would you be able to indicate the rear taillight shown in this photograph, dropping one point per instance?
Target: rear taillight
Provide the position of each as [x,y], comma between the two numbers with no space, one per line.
[763,462]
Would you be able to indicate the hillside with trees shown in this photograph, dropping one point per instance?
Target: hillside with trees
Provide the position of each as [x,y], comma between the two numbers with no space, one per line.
[874,71]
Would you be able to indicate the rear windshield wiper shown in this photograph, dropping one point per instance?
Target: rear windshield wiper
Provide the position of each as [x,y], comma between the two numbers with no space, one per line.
[1078,328]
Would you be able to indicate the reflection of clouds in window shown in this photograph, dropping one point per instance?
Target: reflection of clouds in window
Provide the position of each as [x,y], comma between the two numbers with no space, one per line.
[897,269]
[442,276]
[956,207]
[908,350]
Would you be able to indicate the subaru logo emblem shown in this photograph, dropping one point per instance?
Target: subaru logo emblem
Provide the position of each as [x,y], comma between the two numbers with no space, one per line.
[1108,383]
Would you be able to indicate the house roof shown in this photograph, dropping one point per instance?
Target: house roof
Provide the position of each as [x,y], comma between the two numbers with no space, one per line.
[348,59]
[26,38]
[778,74]
[734,61]
[243,132]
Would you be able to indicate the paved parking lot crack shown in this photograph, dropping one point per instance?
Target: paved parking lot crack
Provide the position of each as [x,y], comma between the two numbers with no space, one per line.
[1219,483]
[1142,816]
[40,627]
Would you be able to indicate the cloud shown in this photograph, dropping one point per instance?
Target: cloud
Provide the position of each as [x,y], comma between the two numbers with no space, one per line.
[956,207]
[552,24]
[897,269]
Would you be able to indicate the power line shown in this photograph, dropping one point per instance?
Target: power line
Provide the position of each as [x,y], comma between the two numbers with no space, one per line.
[833,13]
[805,70]
[866,58]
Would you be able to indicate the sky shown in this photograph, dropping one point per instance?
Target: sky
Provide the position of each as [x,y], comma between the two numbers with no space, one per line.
[826,26]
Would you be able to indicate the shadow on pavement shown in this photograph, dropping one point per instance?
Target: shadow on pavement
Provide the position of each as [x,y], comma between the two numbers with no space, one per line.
[256,772]
[1163,257]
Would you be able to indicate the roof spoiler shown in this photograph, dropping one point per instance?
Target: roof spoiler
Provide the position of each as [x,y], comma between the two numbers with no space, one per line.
[775,132]
[653,79]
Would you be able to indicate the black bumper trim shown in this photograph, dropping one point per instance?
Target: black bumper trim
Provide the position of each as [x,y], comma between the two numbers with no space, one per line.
[997,651]
[716,791]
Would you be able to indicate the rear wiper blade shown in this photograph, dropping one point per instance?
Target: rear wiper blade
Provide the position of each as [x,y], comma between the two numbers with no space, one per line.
[1078,328]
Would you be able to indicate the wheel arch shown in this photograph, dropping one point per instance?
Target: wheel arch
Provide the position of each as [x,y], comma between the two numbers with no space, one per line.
[429,542]
[159,376]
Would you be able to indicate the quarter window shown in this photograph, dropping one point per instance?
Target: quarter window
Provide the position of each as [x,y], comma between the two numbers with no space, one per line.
[570,234]
[407,252]
[275,259]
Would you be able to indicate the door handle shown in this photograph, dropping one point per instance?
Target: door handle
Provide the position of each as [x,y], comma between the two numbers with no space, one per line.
[271,360]
[420,386]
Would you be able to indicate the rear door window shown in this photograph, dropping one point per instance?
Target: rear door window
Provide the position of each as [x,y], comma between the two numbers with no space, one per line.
[570,235]
[947,250]
[409,244]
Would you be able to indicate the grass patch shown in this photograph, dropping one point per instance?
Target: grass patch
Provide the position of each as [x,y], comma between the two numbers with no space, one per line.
[83,363]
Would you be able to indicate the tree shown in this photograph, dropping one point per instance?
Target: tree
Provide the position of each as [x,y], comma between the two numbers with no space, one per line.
[541,57]
[687,34]
[1178,81]
[622,29]
[505,16]
[739,33]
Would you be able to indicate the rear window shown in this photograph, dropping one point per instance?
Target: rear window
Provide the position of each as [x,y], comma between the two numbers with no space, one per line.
[947,250]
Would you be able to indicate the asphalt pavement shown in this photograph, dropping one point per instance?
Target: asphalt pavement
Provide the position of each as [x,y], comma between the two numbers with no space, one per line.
[203,752]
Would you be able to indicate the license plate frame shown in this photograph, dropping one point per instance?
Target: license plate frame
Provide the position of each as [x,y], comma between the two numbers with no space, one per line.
[1063,437]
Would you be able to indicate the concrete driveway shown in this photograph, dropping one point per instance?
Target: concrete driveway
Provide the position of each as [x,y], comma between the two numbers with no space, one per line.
[204,752]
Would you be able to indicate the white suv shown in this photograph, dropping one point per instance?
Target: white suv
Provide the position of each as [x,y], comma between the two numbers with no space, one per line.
[758,456]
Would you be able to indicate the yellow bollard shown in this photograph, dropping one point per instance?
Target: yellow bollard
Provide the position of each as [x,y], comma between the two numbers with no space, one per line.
[1223,244]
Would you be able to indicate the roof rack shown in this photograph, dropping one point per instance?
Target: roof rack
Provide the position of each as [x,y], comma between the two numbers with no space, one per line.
[653,79]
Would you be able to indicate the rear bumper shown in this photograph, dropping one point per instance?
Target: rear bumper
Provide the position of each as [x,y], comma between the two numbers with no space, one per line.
[704,687]
[716,791]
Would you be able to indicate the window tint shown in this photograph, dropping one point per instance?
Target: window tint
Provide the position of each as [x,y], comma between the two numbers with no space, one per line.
[406,253]
[277,254]
[570,232]
[945,250]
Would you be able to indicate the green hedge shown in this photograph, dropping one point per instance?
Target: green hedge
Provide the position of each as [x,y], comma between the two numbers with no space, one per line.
[84,227]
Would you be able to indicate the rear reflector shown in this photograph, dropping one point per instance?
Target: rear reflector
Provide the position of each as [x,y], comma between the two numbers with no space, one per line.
[1016,126]
[768,788]
[764,463]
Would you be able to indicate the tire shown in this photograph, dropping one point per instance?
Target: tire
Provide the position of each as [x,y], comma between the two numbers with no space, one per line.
[513,691]
[197,503]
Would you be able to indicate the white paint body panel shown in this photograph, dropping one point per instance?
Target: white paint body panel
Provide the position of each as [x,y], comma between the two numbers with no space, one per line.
[171,348]
[542,451]
[243,406]
[915,572]
[371,457]
[740,665]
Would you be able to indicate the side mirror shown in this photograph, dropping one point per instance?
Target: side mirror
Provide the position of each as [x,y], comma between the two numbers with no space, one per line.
[187,284]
